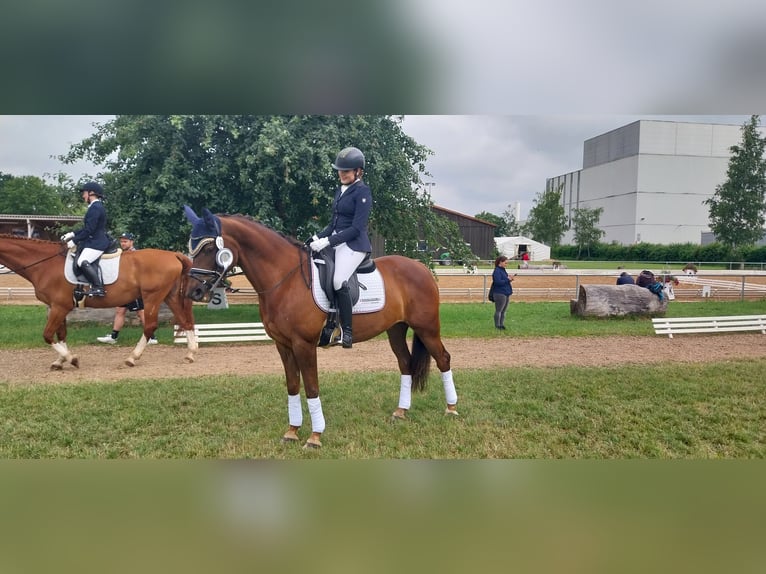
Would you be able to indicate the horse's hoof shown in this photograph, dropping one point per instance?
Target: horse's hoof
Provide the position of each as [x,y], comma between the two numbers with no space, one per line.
[130,362]
[189,360]
[451,411]
[75,362]
[396,417]
[57,367]
[289,439]
[312,444]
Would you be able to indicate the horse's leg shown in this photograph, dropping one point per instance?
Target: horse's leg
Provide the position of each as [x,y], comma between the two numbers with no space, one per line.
[397,339]
[293,379]
[56,325]
[429,339]
[151,313]
[305,353]
[183,312]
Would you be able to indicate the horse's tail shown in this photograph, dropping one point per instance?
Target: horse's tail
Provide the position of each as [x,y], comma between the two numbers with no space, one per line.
[183,283]
[420,364]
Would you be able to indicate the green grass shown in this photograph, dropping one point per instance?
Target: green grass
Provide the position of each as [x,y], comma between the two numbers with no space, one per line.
[544,319]
[662,411]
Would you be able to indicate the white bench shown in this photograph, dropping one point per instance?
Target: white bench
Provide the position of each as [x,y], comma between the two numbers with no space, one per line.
[225,333]
[676,325]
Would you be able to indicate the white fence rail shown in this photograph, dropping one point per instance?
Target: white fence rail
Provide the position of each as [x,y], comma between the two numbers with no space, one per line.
[224,333]
[725,324]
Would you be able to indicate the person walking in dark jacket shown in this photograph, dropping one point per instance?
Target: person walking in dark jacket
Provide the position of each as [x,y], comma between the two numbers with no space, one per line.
[91,239]
[347,231]
[501,290]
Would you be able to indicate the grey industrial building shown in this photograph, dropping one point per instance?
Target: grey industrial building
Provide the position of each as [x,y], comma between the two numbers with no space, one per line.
[651,178]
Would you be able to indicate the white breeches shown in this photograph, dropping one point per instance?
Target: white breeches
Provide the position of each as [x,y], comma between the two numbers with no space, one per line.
[346,262]
[89,255]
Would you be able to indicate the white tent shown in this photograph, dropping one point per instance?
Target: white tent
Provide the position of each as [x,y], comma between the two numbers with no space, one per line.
[513,247]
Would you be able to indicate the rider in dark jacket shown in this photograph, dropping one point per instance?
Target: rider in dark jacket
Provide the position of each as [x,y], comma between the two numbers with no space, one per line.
[91,239]
[347,231]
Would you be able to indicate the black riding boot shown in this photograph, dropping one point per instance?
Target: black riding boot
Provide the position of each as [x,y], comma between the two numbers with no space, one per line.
[93,275]
[343,299]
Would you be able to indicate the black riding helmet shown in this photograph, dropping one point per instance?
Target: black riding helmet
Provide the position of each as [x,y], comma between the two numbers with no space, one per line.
[94,188]
[349,158]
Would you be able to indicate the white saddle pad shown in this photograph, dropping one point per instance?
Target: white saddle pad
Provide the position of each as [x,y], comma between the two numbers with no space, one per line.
[372,293]
[110,267]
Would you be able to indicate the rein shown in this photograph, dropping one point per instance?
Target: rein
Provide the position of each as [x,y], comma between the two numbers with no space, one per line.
[306,280]
[37,262]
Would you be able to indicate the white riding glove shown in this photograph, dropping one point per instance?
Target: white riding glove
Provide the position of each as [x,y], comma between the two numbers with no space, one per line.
[67,236]
[319,244]
[70,244]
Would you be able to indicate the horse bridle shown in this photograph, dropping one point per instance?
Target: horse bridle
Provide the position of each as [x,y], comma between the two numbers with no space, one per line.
[224,258]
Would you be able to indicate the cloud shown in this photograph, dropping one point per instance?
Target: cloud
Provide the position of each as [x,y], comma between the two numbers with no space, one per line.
[29,144]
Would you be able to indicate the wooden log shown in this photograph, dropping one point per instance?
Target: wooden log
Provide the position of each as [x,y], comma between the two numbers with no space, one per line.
[616,301]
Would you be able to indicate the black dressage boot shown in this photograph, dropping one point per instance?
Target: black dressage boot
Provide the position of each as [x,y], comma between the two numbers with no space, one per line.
[93,275]
[343,299]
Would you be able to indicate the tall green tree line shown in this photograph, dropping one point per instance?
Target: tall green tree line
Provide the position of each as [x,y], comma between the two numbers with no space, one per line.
[274,168]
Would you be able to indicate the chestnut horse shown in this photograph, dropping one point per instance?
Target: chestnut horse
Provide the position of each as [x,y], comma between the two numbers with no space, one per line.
[152,274]
[279,268]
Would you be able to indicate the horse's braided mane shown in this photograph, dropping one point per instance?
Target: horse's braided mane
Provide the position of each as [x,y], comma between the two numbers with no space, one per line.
[251,219]
[9,236]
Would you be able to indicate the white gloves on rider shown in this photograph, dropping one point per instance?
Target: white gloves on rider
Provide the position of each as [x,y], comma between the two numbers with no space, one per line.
[319,244]
[70,244]
[67,236]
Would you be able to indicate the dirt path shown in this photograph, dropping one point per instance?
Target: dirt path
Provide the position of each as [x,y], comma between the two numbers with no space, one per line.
[105,364]
[99,363]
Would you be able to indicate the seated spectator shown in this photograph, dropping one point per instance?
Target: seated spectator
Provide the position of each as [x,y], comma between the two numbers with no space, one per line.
[625,279]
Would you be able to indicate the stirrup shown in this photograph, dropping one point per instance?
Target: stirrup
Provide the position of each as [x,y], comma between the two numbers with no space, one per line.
[330,335]
[96,292]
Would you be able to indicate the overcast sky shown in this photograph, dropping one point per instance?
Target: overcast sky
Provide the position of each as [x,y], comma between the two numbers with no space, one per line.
[480,163]
[548,75]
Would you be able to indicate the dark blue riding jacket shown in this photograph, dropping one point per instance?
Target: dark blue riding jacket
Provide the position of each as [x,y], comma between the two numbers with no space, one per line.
[350,215]
[93,233]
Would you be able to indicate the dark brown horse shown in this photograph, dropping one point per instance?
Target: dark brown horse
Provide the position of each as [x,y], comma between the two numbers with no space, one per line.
[279,268]
[152,274]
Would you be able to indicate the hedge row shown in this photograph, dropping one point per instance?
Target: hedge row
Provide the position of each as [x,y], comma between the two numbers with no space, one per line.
[713,252]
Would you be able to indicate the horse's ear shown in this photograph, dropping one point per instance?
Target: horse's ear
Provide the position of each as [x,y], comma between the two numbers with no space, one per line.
[190,215]
[211,220]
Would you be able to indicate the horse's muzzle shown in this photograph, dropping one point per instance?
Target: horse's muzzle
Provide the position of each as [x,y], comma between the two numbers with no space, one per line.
[198,293]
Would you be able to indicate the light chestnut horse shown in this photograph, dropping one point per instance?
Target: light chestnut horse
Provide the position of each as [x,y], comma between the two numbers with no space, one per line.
[279,268]
[152,274]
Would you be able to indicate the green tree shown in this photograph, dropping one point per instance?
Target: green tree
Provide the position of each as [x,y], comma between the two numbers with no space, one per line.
[512,226]
[546,222]
[737,207]
[275,168]
[28,195]
[492,218]
[586,231]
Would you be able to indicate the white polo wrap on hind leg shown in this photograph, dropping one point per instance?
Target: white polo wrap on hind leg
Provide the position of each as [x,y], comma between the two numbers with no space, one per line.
[405,392]
[294,411]
[317,418]
[449,387]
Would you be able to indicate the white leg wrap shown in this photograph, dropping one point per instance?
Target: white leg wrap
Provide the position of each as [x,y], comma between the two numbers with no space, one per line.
[405,392]
[294,411]
[61,349]
[449,387]
[317,418]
